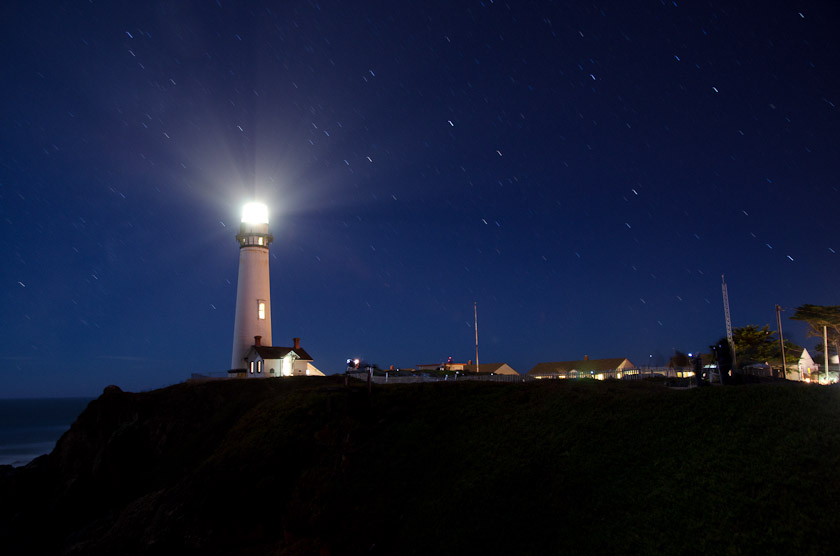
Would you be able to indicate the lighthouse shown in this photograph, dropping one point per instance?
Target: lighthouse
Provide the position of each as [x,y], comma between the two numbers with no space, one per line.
[253,292]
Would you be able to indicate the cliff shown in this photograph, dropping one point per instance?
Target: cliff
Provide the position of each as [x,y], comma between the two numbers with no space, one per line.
[306,466]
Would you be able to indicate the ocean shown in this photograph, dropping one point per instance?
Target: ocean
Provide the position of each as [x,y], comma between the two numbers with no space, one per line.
[31,427]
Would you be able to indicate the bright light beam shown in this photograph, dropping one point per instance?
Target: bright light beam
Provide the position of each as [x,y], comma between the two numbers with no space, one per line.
[255,213]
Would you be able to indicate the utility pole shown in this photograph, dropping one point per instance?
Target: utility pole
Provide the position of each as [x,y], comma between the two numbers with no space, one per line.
[825,351]
[781,340]
[475,309]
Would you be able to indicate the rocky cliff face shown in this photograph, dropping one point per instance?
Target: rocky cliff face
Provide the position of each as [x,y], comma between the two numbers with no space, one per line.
[139,473]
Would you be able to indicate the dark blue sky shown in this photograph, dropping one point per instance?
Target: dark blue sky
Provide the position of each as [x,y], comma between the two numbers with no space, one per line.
[585,172]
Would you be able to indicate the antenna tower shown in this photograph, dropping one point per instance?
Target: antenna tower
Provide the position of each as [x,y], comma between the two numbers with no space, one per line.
[728,320]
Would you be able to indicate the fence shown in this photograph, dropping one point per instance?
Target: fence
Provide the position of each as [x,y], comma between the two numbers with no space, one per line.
[401,378]
[497,378]
[621,374]
[387,379]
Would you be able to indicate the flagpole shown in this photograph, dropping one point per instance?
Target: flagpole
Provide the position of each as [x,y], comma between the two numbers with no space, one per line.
[475,308]
[825,349]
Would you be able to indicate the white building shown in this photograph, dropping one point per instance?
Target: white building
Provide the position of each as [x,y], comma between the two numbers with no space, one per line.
[584,368]
[253,356]
[253,290]
[812,371]
[274,361]
[491,369]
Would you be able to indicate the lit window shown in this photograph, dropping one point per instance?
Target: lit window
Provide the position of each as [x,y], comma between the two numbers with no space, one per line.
[261,309]
[259,241]
[252,367]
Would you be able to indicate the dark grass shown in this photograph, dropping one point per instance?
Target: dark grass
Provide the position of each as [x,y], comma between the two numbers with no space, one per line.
[603,467]
[304,466]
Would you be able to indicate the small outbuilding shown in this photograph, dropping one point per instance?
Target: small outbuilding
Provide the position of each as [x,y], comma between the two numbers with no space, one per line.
[274,361]
[491,369]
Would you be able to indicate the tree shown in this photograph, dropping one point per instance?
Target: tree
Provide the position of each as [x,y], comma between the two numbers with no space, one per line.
[760,345]
[723,356]
[679,361]
[755,344]
[697,365]
[819,316]
[752,345]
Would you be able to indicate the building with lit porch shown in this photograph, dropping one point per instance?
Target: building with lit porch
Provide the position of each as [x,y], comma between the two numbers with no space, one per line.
[600,369]
[275,361]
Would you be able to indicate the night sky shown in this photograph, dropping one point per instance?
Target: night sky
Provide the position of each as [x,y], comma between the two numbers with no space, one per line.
[585,172]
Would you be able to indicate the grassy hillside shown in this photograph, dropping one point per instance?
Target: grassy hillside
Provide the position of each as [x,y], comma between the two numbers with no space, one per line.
[297,466]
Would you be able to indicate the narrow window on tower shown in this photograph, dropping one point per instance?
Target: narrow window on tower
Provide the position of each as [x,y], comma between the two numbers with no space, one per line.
[261,309]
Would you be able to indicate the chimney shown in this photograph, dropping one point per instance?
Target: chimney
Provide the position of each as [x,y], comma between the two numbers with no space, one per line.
[257,340]
[586,358]
[297,342]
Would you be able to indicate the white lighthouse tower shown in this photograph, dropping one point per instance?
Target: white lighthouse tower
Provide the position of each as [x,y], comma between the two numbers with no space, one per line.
[253,293]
